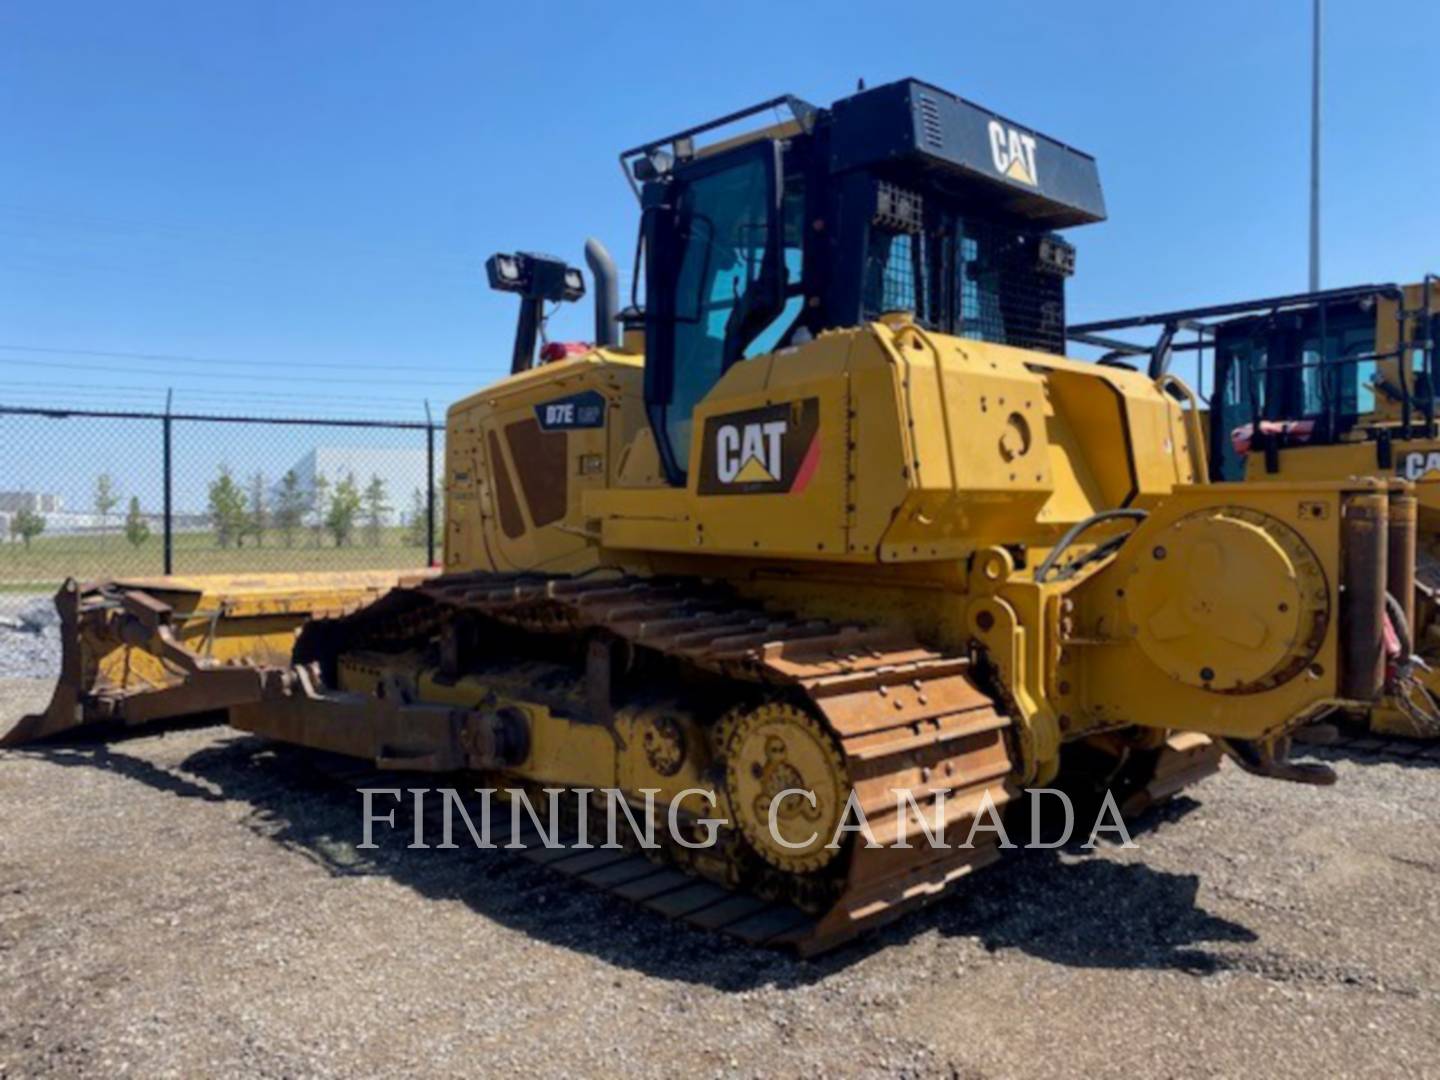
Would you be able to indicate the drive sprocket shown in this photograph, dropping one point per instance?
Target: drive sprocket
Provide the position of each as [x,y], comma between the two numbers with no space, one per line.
[777,747]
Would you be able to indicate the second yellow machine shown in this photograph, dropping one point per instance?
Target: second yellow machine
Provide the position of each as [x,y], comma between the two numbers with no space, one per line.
[1317,386]
[832,513]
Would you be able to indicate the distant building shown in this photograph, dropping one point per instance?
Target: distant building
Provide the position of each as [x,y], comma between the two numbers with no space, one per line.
[57,522]
[37,502]
[401,470]
[52,508]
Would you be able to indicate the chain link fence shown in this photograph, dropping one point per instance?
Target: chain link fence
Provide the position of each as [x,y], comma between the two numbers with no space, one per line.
[98,495]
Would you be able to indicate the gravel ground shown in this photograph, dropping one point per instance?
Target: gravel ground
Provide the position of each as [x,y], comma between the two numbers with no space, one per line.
[194,904]
[29,637]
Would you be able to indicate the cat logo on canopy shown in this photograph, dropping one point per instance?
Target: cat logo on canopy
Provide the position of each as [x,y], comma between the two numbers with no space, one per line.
[764,451]
[1418,464]
[1013,152]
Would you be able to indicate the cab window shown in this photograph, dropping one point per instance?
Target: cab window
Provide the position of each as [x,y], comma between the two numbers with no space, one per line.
[792,260]
[724,225]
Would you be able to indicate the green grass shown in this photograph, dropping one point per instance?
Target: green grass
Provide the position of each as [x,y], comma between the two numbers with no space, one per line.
[51,559]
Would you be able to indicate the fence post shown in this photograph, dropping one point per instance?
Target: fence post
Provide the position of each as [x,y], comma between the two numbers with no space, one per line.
[429,487]
[169,492]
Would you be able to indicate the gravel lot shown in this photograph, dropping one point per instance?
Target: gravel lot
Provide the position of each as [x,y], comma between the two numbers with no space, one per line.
[29,637]
[194,904]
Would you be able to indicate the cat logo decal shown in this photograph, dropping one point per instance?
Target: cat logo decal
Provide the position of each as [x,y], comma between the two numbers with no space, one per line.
[1013,152]
[766,451]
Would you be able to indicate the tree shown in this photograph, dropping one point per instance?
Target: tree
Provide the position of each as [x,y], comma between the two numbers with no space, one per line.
[290,508]
[137,529]
[417,531]
[105,500]
[319,506]
[375,510]
[257,520]
[227,509]
[345,505]
[27,524]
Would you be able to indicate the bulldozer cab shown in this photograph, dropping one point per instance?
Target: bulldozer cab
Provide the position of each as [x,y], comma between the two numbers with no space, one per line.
[1350,365]
[1310,371]
[902,198]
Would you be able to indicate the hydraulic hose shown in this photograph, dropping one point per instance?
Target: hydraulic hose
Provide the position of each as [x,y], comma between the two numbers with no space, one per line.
[1074,532]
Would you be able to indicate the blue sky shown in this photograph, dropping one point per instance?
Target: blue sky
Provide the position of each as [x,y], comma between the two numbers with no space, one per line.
[305,192]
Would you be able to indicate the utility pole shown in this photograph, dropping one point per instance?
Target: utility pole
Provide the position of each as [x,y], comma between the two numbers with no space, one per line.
[1315,154]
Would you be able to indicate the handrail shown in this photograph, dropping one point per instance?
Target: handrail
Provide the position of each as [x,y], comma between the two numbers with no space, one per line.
[1271,303]
[1200,461]
[803,112]
[1427,329]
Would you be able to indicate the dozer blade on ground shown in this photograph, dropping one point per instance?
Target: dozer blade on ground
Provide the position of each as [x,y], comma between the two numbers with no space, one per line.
[141,650]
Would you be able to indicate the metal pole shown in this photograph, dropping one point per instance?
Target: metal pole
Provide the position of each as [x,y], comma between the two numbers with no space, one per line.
[169,488]
[1315,153]
[429,487]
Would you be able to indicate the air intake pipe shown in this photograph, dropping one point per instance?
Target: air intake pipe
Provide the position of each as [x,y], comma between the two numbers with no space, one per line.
[607,294]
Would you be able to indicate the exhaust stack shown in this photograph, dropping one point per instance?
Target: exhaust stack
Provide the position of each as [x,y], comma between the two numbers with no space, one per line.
[607,294]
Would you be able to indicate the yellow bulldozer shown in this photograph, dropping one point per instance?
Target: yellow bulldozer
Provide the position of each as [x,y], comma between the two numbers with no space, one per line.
[1315,386]
[824,516]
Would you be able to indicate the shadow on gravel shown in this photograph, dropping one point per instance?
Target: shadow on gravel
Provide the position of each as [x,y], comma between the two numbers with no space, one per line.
[1093,913]
[1072,907]
[92,755]
[1366,751]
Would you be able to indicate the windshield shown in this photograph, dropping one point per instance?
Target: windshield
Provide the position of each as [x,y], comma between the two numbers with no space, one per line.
[738,280]
[724,221]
